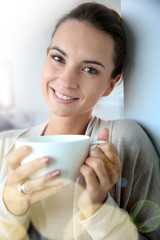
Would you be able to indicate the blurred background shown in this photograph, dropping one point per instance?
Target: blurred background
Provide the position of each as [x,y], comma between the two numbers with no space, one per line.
[25,33]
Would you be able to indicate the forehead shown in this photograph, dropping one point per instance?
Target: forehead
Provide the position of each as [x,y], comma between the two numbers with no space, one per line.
[84,37]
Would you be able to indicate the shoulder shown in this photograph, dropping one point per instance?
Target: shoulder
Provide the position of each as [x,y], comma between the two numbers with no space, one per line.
[8,138]
[10,133]
[128,129]
[32,131]
[133,143]
[130,133]
[119,129]
[128,136]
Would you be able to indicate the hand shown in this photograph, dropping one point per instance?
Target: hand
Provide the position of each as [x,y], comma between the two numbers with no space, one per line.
[100,172]
[17,203]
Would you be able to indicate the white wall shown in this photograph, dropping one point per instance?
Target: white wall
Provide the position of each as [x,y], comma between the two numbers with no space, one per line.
[142,82]
[25,33]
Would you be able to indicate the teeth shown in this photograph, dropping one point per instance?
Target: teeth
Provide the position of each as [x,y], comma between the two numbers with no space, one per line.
[61,96]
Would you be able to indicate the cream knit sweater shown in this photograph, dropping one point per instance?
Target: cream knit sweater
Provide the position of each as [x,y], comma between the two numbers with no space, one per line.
[57,217]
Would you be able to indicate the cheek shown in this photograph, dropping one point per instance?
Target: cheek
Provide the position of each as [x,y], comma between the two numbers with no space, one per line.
[93,92]
[47,73]
[98,90]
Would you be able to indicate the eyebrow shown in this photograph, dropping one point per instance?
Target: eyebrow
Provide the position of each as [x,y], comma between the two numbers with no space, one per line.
[59,50]
[85,61]
[94,62]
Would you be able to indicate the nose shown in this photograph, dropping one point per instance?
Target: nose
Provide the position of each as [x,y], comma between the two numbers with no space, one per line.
[69,78]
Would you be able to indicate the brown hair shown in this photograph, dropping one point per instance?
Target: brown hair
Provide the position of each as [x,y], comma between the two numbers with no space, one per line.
[105,19]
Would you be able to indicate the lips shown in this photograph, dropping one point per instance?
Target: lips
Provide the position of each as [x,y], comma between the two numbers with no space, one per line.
[59,95]
[63,98]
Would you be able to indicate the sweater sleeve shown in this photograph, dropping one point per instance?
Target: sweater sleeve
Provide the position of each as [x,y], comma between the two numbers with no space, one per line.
[11,227]
[110,223]
[125,214]
[141,170]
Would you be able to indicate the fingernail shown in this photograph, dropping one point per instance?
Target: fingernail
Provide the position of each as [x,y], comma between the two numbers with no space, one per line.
[45,160]
[55,173]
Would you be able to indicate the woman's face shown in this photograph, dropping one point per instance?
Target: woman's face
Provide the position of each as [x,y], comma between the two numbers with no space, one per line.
[77,69]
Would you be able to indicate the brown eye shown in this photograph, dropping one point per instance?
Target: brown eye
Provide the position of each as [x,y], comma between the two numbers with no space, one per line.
[57,58]
[91,70]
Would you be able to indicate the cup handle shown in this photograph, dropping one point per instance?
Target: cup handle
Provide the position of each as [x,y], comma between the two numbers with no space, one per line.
[97,142]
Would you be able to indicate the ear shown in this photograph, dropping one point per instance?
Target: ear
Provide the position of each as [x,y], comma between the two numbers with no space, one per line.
[112,84]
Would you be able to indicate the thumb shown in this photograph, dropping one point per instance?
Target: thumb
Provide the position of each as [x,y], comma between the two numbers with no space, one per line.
[104,134]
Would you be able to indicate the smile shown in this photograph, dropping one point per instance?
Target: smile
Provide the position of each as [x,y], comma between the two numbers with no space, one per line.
[62,96]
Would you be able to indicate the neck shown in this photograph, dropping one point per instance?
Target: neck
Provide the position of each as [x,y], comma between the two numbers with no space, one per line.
[67,125]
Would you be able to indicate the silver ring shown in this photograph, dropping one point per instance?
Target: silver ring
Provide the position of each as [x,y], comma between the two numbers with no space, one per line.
[21,189]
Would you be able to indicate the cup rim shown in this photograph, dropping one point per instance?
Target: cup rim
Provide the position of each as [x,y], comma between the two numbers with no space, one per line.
[53,138]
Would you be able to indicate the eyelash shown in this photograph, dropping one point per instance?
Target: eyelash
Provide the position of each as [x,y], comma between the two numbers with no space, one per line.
[90,70]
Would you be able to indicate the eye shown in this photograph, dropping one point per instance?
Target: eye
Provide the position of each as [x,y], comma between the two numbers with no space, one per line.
[91,70]
[57,58]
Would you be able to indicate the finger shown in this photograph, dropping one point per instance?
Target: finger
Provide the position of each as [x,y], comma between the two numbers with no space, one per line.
[90,177]
[110,157]
[106,180]
[111,162]
[108,147]
[39,183]
[14,158]
[104,134]
[96,152]
[44,193]
[29,168]
[98,167]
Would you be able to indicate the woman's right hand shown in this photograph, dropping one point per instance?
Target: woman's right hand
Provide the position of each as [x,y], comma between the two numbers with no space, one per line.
[17,203]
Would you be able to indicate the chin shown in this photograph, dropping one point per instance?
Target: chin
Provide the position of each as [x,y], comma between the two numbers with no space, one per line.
[58,113]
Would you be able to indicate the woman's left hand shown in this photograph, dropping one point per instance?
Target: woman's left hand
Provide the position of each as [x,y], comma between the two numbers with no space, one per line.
[100,171]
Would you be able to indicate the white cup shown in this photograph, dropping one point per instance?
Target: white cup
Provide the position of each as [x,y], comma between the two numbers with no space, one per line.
[66,152]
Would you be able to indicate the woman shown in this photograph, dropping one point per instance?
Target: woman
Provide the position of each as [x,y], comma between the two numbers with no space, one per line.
[84,62]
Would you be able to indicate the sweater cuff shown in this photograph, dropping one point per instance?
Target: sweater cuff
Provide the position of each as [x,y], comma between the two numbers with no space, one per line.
[99,214]
[110,222]
[8,216]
